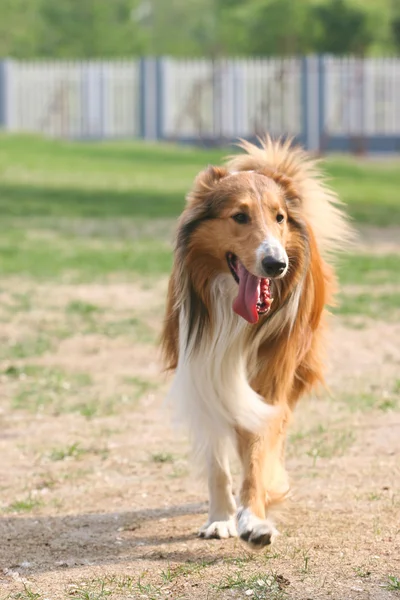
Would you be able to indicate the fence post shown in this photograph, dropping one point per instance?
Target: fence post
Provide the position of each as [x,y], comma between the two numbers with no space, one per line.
[311,98]
[5,91]
[103,100]
[151,98]
[160,98]
[142,97]
[321,104]
[239,99]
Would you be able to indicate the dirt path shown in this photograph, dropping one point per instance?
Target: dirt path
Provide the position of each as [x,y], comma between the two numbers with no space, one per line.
[104,505]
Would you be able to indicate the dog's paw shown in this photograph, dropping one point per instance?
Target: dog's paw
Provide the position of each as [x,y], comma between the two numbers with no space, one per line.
[256,532]
[219,529]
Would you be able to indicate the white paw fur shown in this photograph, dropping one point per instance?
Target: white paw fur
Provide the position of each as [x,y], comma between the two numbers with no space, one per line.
[219,529]
[255,531]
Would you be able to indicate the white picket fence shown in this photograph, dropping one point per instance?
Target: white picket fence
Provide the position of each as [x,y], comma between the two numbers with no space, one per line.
[74,100]
[362,96]
[323,101]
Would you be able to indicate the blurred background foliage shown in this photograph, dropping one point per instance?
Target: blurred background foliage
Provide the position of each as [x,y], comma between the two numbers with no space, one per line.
[209,28]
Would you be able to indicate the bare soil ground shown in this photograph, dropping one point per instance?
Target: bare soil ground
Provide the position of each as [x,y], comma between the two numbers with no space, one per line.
[97,497]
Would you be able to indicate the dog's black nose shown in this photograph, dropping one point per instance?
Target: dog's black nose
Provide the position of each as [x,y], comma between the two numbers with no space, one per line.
[273,267]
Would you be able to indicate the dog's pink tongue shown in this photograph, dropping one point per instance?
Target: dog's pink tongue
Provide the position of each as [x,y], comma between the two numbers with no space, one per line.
[245,304]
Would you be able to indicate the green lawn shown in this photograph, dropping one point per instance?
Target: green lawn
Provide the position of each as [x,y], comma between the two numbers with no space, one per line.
[85,211]
[130,179]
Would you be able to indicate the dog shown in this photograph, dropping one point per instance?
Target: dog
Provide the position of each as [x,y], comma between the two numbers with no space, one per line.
[246,319]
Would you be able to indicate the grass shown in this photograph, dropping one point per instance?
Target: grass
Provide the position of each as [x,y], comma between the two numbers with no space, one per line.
[321,442]
[362,571]
[130,179]
[55,391]
[258,586]
[370,287]
[26,347]
[128,326]
[141,386]
[24,506]
[91,319]
[91,211]
[393,583]
[22,303]
[75,451]
[384,307]
[47,388]
[72,451]
[30,254]
[162,457]
[83,309]
[96,591]
[190,568]
[114,586]
[268,586]
[369,269]
[365,401]
[26,594]
[369,188]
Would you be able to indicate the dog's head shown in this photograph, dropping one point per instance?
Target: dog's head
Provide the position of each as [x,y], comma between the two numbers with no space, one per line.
[247,224]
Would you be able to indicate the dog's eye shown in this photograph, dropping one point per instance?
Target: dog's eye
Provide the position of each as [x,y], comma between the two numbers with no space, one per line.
[280,217]
[241,218]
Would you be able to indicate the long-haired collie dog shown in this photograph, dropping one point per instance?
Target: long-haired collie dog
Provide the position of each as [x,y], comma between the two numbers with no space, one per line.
[245,320]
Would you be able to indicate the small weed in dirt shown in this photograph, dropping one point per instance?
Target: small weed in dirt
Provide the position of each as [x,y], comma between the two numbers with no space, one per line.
[162,457]
[179,471]
[323,442]
[373,496]
[131,327]
[92,591]
[46,482]
[72,451]
[22,302]
[149,591]
[25,594]
[168,575]
[368,401]
[76,474]
[393,583]
[140,386]
[26,505]
[241,561]
[75,451]
[96,589]
[81,308]
[21,371]
[306,561]
[362,571]
[26,347]
[47,389]
[95,320]
[355,323]
[258,586]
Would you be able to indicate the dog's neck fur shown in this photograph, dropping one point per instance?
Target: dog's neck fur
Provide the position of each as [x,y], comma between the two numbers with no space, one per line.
[211,386]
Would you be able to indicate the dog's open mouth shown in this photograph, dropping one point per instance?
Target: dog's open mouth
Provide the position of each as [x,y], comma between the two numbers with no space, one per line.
[254,297]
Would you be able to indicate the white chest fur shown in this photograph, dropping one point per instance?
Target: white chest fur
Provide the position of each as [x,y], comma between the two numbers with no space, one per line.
[210,390]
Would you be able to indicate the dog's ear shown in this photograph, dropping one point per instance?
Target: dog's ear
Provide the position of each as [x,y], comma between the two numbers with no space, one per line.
[207,179]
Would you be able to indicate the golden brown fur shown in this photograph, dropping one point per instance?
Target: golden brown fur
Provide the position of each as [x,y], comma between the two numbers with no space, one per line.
[283,351]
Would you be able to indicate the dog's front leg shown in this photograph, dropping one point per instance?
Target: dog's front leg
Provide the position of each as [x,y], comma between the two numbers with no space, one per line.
[264,480]
[222,509]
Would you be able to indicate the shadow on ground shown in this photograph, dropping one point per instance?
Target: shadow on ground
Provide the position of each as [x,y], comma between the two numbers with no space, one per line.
[52,543]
